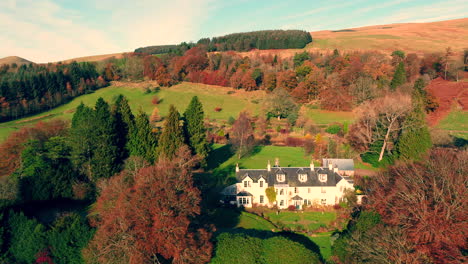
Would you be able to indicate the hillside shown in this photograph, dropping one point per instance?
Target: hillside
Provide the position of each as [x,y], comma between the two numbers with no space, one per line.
[410,37]
[14,59]
[95,57]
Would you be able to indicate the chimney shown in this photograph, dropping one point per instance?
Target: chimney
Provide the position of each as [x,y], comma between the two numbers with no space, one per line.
[335,169]
[237,167]
[312,165]
[277,162]
[268,166]
[330,166]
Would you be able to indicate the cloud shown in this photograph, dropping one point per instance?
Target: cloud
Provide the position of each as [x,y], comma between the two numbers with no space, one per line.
[44,31]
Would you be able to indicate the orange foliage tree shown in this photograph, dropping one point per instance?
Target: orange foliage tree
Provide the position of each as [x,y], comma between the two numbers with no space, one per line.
[146,217]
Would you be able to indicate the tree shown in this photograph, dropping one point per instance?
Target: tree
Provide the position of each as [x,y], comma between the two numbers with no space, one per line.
[194,127]
[172,136]
[426,199]
[242,134]
[399,77]
[446,61]
[142,141]
[105,156]
[154,221]
[415,139]
[271,194]
[286,80]
[163,77]
[125,123]
[155,117]
[280,104]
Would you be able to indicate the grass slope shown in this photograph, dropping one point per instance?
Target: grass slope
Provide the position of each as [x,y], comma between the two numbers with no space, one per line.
[179,95]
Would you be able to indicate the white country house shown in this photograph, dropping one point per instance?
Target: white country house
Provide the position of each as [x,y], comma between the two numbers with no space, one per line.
[293,185]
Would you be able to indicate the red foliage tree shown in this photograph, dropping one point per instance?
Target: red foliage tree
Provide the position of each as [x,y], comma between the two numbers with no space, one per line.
[145,217]
[163,77]
[335,95]
[428,200]
[286,80]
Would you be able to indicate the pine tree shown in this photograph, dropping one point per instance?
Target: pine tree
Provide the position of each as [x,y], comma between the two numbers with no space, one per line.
[195,128]
[415,139]
[82,138]
[125,123]
[142,140]
[105,161]
[172,136]
[399,77]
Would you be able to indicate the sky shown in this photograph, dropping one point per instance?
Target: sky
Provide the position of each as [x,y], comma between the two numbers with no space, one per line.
[54,30]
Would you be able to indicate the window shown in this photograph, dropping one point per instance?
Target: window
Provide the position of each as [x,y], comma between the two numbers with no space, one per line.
[280,177]
[243,200]
[307,202]
[281,191]
[324,190]
[282,203]
[322,177]
[302,177]
[308,190]
[262,199]
[261,184]
[324,201]
[246,183]
[296,190]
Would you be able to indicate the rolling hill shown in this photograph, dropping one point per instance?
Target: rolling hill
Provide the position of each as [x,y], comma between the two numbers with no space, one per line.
[14,59]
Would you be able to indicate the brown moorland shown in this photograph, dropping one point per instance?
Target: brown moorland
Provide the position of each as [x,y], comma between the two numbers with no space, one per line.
[14,59]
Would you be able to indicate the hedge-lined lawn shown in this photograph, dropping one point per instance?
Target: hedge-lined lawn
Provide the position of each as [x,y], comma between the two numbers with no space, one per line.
[456,120]
[323,241]
[307,220]
[323,117]
[251,221]
[179,95]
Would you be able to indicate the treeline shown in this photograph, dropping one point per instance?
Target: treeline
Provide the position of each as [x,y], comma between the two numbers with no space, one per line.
[264,39]
[30,89]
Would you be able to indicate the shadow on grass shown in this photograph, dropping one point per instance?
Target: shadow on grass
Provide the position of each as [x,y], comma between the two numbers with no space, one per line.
[218,156]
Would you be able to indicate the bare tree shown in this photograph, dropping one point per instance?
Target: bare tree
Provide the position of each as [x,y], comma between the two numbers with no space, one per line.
[242,134]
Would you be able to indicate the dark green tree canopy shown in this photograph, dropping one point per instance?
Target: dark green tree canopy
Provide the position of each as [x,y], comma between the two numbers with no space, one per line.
[399,77]
[172,136]
[195,127]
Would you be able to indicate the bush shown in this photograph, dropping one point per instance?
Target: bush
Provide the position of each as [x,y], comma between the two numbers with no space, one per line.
[292,208]
[155,100]
[294,142]
[231,92]
[218,109]
[334,129]
[231,120]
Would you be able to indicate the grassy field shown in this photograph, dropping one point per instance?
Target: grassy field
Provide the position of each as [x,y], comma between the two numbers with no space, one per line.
[456,120]
[251,221]
[323,241]
[307,220]
[179,95]
[322,117]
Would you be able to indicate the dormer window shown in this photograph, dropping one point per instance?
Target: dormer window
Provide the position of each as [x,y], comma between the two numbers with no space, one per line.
[280,177]
[260,183]
[302,177]
[246,184]
[322,177]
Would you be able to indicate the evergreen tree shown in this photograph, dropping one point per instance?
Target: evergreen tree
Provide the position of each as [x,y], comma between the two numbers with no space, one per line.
[142,141]
[172,136]
[195,128]
[415,139]
[125,123]
[82,138]
[105,161]
[399,77]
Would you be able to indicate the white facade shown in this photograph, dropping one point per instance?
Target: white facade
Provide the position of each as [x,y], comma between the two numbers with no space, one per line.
[293,186]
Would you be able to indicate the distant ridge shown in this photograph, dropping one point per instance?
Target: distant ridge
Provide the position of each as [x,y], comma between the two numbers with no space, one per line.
[14,59]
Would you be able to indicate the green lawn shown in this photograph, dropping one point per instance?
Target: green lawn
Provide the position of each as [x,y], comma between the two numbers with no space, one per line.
[251,221]
[323,241]
[456,120]
[179,95]
[308,220]
[322,117]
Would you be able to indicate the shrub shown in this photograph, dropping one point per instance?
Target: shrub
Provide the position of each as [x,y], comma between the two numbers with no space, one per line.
[292,208]
[218,109]
[231,120]
[231,92]
[334,129]
[294,142]
[155,100]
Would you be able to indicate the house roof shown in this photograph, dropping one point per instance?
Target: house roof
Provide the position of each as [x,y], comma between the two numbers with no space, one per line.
[291,176]
[244,193]
[341,164]
[297,197]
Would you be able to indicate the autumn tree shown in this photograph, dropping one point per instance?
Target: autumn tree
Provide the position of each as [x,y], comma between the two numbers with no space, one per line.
[172,137]
[148,217]
[335,95]
[427,199]
[280,104]
[242,138]
[194,128]
[163,77]
[155,117]
[286,80]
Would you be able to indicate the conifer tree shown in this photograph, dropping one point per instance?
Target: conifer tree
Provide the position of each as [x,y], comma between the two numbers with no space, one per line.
[172,136]
[195,128]
[105,161]
[142,140]
[125,123]
[415,139]
[82,138]
[399,77]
